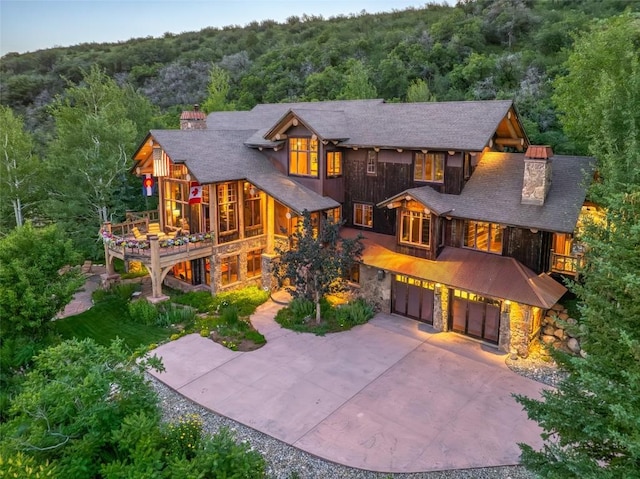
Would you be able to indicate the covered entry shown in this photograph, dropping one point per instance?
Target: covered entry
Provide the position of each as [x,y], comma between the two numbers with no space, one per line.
[413,298]
[475,316]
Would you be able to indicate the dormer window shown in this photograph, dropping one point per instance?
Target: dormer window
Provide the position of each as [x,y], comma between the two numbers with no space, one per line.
[303,157]
[429,167]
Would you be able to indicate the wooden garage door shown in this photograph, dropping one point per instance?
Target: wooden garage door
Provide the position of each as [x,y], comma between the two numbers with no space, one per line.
[413,298]
[475,316]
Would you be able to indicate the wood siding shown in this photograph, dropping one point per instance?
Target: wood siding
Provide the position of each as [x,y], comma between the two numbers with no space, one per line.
[531,249]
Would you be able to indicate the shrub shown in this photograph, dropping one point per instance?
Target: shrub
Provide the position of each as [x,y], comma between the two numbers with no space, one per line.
[229,315]
[255,336]
[142,311]
[184,436]
[26,467]
[199,300]
[172,314]
[352,314]
[222,456]
[302,308]
[125,290]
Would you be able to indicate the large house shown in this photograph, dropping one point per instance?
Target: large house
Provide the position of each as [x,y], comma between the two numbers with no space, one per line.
[465,223]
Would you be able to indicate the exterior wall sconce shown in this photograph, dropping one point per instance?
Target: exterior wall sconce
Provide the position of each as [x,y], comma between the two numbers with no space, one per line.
[380,274]
[437,289]
[507,306]
[288,215]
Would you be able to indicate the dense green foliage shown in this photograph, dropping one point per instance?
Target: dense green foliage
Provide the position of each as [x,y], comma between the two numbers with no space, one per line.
[86,411]
[474,50]
[33,285]
[591,422]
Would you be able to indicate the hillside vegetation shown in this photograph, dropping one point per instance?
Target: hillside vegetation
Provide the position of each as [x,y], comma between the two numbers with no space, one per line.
[484,49]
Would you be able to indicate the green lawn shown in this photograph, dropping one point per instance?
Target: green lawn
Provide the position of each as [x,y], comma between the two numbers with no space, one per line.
[107,320]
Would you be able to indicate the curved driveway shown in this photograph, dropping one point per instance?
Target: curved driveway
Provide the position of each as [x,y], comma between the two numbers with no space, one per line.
[388,396]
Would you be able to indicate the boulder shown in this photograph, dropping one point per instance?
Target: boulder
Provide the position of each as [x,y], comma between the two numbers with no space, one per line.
[574,345]
[559,333]
[546,339]
[548,330]
[563,316]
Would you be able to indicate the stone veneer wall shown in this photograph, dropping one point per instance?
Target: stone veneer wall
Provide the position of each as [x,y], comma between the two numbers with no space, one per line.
[239,248]
[373,290]
[536,181]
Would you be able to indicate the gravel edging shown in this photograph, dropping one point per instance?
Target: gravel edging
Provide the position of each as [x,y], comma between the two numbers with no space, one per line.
[287,462]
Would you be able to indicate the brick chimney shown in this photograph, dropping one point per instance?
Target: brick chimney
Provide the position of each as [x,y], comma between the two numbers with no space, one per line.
[193,120]
[537,175]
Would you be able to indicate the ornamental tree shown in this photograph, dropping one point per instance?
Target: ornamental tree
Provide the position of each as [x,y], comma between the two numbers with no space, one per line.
[318,260]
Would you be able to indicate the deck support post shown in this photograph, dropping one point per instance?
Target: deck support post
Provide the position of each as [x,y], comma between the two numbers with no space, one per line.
[155,270]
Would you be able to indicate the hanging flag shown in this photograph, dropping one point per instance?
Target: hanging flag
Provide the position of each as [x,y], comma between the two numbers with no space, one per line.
[195,193]
[147,185]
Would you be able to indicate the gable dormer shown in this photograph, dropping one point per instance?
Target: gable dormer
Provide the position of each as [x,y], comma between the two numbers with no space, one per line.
[510,134]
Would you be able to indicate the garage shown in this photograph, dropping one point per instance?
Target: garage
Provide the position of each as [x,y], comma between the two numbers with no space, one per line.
[413,298]
[475,316]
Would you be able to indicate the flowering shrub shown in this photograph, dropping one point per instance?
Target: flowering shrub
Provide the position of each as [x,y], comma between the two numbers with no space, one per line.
[183,437]
[119,241]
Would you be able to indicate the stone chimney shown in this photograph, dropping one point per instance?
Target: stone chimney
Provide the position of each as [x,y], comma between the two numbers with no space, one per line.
[537,175]
[193,120]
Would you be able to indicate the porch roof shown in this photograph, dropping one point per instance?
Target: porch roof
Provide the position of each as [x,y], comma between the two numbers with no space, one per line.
[214,156]
[494,192]
[469,270]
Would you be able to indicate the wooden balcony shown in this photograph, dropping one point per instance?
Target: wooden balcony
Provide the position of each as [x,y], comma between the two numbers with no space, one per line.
[566,263]
[171,250]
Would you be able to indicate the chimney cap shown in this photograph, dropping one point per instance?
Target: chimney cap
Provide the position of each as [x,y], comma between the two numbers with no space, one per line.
[539,152]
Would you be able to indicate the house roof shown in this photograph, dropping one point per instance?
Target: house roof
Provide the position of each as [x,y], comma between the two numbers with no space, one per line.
[494,191]
[465,269]
[456,125]
[214,155]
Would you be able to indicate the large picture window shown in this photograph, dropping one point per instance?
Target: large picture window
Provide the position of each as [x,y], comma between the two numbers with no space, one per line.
[363,215]
[414,227]
[334,163]
[303,157]
[429,167]
[227,208]
[483,236]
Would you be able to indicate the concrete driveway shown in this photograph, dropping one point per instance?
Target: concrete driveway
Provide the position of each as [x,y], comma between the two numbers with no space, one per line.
[388,396]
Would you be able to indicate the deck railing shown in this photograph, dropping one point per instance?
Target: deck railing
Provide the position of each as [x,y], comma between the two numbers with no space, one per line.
[565,263]
[168,246]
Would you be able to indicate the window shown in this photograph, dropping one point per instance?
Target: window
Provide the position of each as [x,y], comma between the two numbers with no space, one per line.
[303,157]
[227,208]
[229,270]
[254,263]
[414,227]
[334,215]
[483,236]
[429,167]
[363,215]
[252,210]
[334,163]
[372,163]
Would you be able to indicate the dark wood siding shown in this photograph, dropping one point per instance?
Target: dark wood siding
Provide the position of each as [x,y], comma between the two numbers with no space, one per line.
[453,174]
[390,179]
[531,249]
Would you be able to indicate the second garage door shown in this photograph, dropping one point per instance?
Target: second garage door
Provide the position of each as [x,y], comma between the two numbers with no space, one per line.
[413,298]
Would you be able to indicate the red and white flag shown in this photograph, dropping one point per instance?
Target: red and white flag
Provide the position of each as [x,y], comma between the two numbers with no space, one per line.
[195,193]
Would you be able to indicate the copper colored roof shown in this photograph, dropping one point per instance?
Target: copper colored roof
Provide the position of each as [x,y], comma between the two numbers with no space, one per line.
[543,152]
[485,274]
[193,115]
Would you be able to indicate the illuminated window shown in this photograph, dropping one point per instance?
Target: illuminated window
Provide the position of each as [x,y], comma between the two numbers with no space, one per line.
[414,227]
[483,236]
[334,215]
[372,163]
[254,263]
[363,215]
[334,163]
[227,208]
[303,157]
[252,211]
[429,167]
[229,270]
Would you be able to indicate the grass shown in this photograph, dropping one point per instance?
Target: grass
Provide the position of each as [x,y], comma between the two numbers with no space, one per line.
[107,320]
